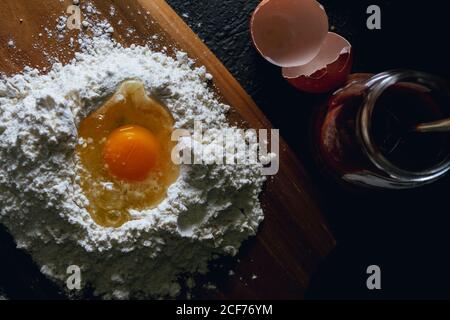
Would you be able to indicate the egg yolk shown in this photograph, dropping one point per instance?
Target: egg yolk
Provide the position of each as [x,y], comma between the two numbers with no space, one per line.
[131,152]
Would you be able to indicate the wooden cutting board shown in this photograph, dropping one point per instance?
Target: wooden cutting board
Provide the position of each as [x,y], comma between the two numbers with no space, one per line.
[294,237]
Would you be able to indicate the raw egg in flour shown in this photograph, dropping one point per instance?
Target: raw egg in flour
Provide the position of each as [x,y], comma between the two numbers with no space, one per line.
[125,155]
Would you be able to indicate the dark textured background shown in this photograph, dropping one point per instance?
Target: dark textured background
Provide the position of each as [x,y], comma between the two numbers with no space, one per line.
[406,233]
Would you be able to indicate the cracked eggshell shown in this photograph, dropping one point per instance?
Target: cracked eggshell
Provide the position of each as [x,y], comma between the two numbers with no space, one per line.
[289,33]
[327,71]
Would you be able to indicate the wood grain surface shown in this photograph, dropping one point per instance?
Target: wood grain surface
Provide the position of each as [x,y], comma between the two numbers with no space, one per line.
[294,237]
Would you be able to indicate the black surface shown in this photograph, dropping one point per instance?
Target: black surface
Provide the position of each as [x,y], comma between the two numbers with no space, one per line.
[405,233]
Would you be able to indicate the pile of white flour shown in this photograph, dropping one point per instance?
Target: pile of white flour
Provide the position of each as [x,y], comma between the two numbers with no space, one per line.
[209,211]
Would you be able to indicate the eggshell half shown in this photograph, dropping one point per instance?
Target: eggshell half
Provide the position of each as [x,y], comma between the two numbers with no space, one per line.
[289,33]
[327,71]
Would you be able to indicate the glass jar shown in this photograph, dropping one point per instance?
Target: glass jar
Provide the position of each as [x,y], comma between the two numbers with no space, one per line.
[364,134]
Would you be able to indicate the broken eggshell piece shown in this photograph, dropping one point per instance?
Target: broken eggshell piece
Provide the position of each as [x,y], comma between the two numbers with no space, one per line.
[289,33]
[327,71]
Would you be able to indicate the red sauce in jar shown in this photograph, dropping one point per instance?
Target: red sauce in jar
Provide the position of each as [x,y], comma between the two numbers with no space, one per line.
[396,111]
